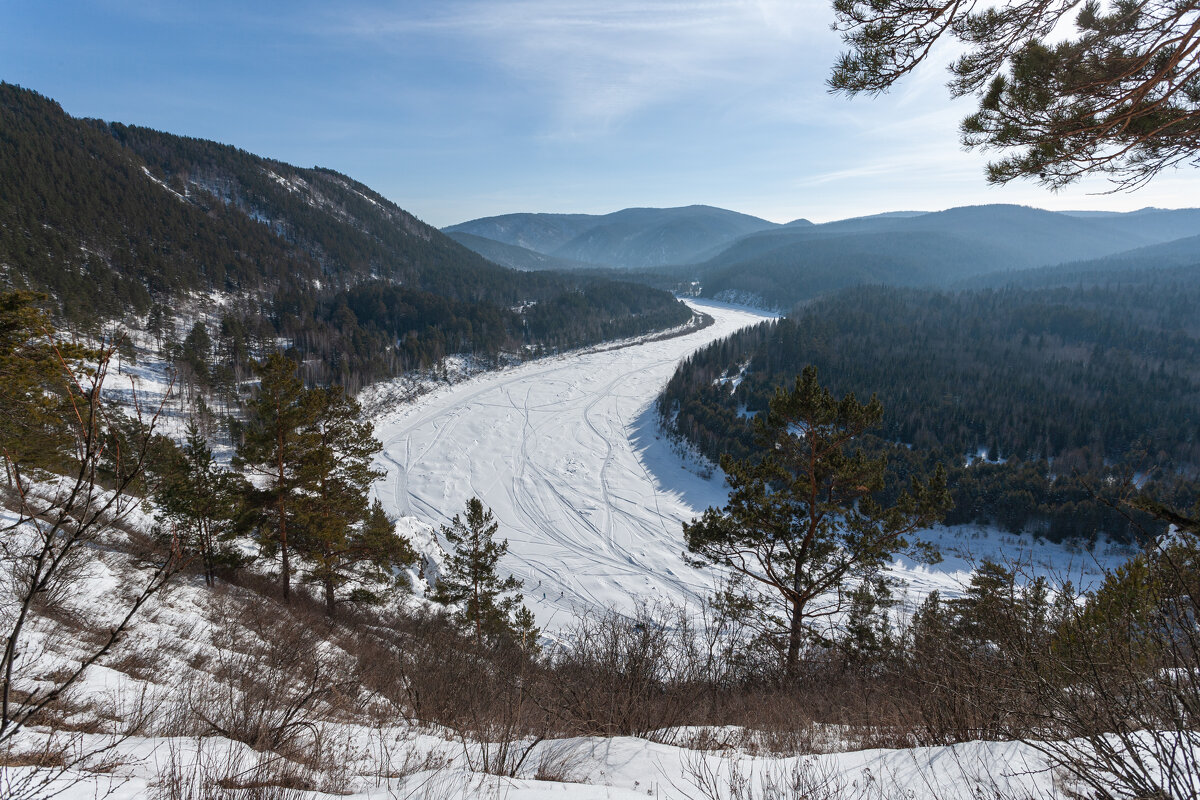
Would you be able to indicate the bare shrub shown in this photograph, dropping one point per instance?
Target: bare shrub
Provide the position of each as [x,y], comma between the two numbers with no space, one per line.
[100,457]
[395,771]
[271,680]
[1119,693]
[633,676]
[561,762]
[142,664]
[735,778]
[497,714]
[226,773]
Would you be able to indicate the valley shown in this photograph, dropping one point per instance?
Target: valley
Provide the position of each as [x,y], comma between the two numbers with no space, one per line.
[591,496]
[534,399]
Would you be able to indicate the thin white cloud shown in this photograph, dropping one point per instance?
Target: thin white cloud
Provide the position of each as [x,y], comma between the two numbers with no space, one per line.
[597,62]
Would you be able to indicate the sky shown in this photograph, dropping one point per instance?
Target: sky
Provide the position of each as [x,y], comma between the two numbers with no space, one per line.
[458,109]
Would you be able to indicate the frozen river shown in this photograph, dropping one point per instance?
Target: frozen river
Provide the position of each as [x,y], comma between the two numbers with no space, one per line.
[566,453]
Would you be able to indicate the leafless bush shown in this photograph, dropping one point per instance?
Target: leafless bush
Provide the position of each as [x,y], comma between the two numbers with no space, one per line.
[50,544]
[1120,695]
[498,716]
[640,675]
[203,772]
[735,778]
[76,741]
[139,663]
[561,762]
[395,771]
[270,682]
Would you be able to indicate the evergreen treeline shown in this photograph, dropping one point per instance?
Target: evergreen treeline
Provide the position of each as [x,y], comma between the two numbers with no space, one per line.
[1035,399]
[114,221]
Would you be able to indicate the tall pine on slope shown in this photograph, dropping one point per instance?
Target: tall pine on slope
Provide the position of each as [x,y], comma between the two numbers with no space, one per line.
[278,447]
[471,579]
[338,531]
[802,521]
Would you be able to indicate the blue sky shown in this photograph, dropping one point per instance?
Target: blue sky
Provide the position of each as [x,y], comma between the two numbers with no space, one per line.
[458,109]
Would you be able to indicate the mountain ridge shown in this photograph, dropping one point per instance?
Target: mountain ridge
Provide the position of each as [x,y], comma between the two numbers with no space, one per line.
[629,238]
[121,223]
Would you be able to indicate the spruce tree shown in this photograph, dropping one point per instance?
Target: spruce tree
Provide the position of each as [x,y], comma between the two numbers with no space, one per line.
[471,579]
[802,522]
[277,447]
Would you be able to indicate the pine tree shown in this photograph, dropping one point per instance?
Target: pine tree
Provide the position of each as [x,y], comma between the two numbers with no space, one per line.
[196,353]
[277,446]
[338,533]
[802,522]
[199,501]
[1117,96]
[526,631]
[869,635]
[35,415]
[471,579]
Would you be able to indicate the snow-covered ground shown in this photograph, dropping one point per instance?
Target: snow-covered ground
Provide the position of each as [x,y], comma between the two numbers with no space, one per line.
[170,660]
[567,453]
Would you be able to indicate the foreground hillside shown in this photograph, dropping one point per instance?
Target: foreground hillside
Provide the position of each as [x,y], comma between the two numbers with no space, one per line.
[227,692]
[121,223]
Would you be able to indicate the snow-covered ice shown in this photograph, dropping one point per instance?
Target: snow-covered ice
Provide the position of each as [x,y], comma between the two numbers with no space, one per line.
[567,453]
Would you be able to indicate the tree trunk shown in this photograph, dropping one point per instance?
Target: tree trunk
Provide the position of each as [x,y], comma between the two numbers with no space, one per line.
[330,607]
[796,630]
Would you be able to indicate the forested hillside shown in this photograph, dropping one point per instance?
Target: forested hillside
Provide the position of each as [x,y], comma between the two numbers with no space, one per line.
[799,269]
[1033,398]
[113,221]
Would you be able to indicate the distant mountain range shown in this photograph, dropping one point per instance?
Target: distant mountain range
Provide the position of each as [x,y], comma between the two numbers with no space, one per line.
[628,239]
[732,254]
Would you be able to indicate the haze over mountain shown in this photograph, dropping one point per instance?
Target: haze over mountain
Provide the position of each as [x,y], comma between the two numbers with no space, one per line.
[1156,262]
[515,256]
[781,264]
[631,238]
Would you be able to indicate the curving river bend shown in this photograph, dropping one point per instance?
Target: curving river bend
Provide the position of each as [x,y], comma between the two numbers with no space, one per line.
[565,451]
